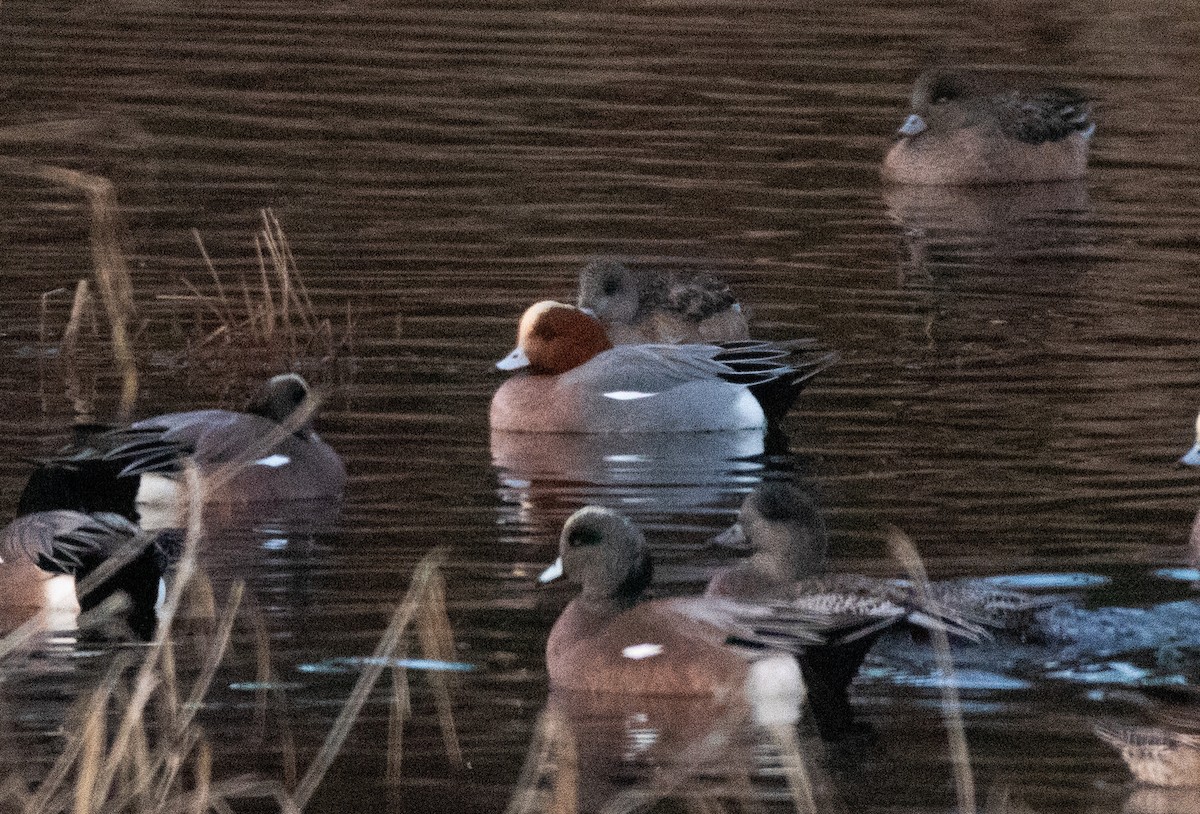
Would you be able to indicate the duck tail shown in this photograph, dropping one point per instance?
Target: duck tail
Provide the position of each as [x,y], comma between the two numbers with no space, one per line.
[778,395]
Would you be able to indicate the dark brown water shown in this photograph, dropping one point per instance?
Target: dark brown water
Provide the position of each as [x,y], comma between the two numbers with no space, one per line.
[1019,365]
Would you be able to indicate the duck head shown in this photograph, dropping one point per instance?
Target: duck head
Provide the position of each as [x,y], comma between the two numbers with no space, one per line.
[617,294]
[553,338]
[605,552]
[940,101]
[279,398]
[782,531]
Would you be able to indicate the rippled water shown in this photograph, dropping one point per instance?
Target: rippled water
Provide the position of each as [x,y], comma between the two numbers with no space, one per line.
[1019,366]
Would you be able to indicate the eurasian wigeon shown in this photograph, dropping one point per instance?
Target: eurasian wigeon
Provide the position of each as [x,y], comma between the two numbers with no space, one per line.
[639,306]
[255,456]
[46,556]
[577,381]
[968,127]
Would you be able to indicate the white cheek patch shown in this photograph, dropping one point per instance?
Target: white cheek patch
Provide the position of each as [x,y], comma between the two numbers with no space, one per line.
[637,652]
[628,395]
[274,461]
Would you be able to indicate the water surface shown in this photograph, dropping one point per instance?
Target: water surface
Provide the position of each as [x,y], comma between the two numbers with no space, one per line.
[1019,365]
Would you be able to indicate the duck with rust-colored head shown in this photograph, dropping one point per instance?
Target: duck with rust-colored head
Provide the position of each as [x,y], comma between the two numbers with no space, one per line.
[575,380]
[968,127]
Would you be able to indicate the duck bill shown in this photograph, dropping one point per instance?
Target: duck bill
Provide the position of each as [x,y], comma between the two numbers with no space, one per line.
[1193,456]
[552,573]
[732,540]
[912,125]
[514,361]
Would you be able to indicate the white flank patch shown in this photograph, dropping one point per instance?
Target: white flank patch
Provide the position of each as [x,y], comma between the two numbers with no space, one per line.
[628,395]
[274,461]
[638,652]
[775,690]
[58,593]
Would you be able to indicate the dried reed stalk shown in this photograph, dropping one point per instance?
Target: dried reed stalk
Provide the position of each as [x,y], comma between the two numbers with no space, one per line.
[413,603]
[552,756]
[905,552]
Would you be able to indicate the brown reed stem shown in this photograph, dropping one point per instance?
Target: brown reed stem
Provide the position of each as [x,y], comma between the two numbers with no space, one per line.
[392,638]
[905,552]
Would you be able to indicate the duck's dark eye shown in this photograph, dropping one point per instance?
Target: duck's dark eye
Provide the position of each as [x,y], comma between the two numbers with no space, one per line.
[583,536]
[943,92]
[610,287]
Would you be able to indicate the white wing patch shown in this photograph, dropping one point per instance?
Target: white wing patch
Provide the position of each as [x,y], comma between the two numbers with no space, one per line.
[637,652]
[628,395]
[274,461]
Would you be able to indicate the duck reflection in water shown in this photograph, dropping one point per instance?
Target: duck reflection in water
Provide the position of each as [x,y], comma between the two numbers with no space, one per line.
[624,752]
[545,476]
[1007,228]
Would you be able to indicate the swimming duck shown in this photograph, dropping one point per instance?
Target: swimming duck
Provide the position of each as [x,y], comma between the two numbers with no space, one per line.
[639,306]
[1166,754]
[46,556]
[783,532]
[972,128]
[577,381]
[610,639]
[1155,755]
[242,457]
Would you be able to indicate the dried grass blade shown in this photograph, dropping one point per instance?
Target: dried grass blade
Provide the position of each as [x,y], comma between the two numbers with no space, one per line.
[399,712]
[437,642]
[96,706]
[226,312]
[905,552]
[392,638]
[213,657]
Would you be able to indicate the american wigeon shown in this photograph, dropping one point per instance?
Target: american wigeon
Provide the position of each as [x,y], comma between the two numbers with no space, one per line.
[785,536]
[610,639]
[578,382]
[639,306]
[45,556]
[242,457]
[968,127]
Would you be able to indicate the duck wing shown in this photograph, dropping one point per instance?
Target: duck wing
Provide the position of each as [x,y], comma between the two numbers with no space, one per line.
[1050,114]
[755,626]
[859,607]
[65,542]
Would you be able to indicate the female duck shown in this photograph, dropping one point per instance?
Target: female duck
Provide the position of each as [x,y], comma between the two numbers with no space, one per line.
[578,382]
[637,306]
[970,128]
[784,535]
[269,453]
